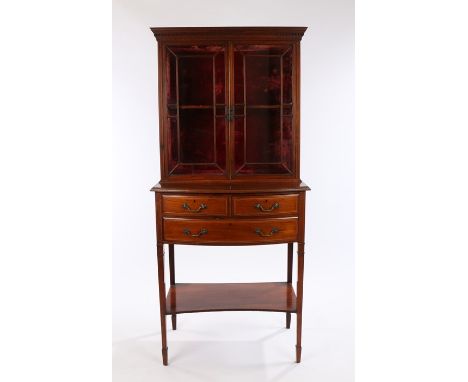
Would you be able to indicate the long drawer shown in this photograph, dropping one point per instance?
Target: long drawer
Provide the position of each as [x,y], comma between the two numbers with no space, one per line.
[230,231]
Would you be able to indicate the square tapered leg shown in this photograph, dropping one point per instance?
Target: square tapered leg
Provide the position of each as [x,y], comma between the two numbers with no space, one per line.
[162,301]
[300,279]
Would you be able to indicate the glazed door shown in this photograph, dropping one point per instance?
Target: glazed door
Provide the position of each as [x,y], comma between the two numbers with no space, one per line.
[263,110]
[195,102]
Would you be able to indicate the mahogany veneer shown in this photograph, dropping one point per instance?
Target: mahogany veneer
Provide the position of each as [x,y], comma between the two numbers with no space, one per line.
[229,132]
[195,205]
[266,205]
[230,231]
[269,297]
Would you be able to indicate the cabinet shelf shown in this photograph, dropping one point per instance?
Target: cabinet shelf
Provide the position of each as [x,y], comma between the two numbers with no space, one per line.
[203,297]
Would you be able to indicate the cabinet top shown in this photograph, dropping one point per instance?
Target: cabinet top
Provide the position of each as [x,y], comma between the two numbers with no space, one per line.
[237,33]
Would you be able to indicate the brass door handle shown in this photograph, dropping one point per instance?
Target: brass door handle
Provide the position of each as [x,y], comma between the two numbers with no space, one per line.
[202,232]
[202,206]
[259,232]
[258,206]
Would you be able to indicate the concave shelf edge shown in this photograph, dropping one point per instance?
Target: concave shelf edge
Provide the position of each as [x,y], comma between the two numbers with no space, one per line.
[216,297]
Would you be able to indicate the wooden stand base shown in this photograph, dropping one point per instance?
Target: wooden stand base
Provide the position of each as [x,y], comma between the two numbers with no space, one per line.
[213,297]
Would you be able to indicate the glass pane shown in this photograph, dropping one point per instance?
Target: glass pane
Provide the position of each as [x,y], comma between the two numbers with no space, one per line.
[287,143]
[171,79]
[287,76]
[263,130]
[263,136]
[263,79]
[238,78]
[196,80]
[196,95]
[196,136]
[193,169]
[263,168]
[173,143]
[220,78]
[221,134]
[287,109]
[239,153]
[277,50]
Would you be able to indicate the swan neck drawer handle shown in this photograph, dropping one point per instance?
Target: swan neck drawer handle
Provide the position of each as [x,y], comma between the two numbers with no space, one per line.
[275,205]
[259,232]
[202,232]
[202,206]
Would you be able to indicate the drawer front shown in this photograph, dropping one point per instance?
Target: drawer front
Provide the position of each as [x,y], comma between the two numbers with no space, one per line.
[195,205]
[229,231]
[265,205]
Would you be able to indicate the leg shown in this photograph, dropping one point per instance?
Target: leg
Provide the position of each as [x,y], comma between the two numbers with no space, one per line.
[172,275]
[300,279]
[162,301]
[290,263]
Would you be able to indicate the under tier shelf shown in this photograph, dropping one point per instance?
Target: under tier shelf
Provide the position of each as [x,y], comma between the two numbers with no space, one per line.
[270,297]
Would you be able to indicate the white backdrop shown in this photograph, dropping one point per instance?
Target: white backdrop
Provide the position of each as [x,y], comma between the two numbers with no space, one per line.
[233,346]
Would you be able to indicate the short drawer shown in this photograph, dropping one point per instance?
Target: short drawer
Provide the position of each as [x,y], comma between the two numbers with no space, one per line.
[195,205]
[230,231]
[261,205]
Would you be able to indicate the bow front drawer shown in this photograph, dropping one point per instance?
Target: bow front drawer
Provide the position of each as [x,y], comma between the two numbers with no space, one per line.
[195,205]
[230,231]
[265,205]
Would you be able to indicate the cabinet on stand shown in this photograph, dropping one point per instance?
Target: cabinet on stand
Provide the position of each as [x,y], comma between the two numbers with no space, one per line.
[229,152]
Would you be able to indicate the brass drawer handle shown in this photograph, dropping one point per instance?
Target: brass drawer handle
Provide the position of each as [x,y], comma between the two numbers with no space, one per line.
[202,206]
[259,232]
[202,232]
[258,206]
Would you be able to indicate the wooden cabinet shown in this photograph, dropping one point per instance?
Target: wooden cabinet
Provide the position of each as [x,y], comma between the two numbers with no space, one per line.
[229,121]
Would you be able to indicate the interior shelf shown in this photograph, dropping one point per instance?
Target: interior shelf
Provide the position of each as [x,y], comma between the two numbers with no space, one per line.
[270,297]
